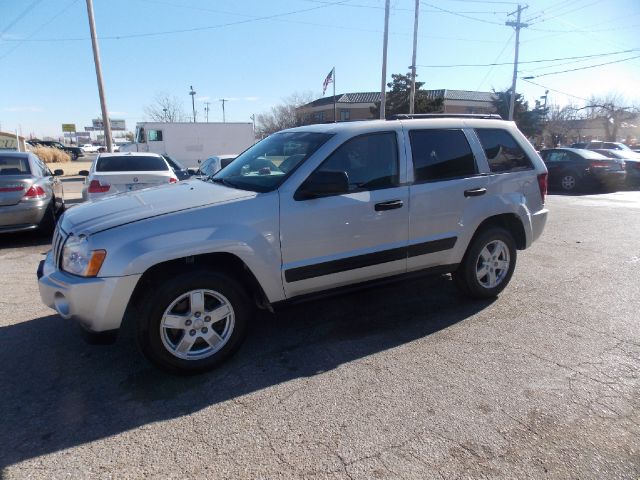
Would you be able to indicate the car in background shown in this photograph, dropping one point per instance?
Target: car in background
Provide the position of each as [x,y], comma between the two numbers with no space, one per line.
[599,144]
[112,173]
[631,163]
[31,196]
[576,169]
[182,172]
[214,164]
[89,148]
[74,152]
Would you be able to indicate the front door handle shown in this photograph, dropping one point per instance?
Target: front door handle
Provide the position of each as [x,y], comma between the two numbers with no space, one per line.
[475,192]
[390,205]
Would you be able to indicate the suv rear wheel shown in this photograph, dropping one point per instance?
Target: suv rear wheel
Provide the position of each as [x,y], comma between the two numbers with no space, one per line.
[193,321]
[488,264]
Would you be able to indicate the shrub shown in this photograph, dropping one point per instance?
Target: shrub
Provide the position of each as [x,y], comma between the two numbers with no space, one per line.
[51,155]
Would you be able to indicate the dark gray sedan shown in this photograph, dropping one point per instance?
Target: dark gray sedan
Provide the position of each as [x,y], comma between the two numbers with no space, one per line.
[31,197]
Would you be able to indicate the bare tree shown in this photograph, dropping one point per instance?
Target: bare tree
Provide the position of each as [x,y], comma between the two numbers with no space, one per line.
[562,123]
[165,108]
[610,110]
[283,115]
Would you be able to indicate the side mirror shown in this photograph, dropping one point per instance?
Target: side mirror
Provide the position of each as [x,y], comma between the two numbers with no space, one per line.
[323,184]
[199,161]
[84,173]
[58,172]
[192,171]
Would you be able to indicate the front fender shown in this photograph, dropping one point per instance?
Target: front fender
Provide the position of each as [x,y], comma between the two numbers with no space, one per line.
[248,229]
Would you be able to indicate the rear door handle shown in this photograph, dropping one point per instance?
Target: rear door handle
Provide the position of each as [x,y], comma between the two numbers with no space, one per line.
[475,192]
[390,205]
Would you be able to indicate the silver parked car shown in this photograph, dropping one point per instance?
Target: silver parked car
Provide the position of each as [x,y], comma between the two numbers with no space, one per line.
[308,211]
[31,196]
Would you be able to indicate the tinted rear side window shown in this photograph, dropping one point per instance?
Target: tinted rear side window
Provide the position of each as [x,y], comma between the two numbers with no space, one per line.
[10,165]
[131,164]
[502,151]
[226,161]
[441,155]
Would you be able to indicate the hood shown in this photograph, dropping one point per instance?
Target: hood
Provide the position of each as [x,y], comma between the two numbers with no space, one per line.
[120,209]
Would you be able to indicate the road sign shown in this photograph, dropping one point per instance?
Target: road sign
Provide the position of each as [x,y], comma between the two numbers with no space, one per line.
[69,127]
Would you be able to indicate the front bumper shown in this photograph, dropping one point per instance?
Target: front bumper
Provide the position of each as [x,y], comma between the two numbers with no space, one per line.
[22,216]
[97,304]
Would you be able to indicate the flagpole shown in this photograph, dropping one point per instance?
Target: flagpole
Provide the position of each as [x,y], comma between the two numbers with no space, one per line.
[335,119]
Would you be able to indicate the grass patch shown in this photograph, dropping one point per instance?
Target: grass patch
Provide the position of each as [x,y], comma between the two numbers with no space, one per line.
[51,155]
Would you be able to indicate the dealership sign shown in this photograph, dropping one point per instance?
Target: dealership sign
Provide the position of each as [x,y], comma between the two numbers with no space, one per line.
[99,125]
[69,127]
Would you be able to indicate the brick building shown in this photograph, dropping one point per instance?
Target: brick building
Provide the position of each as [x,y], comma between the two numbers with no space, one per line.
[357,105]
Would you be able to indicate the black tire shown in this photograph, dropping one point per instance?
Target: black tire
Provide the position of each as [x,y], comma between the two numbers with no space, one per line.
[48,222]
[159,298]
[570,182]
[466,276]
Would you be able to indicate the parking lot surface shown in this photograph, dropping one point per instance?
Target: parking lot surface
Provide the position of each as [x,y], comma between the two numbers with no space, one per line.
[408,381]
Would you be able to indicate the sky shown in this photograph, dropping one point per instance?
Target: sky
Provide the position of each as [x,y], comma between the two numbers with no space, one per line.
[256,53]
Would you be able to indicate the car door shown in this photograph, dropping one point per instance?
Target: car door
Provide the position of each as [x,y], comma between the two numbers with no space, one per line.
[52,182]
[447,184]
[357,235]
[556,161]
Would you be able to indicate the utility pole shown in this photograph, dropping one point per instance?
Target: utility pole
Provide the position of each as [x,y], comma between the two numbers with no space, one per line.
[192,92]
[517,25]
[223,100]
[383,86]
[412,95]
[253,119]
[206,111]
[106,124]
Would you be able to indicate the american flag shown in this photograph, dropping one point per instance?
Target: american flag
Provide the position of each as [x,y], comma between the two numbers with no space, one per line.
[327,81]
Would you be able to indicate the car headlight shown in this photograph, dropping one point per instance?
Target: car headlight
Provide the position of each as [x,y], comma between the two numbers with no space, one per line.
[79,260]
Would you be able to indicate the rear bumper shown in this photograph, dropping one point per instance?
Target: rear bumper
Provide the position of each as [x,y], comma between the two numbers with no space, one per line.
[610,179]
[536,222]
[97,304]
[22,216]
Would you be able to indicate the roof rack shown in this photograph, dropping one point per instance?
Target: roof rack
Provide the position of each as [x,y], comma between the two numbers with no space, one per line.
[410,116]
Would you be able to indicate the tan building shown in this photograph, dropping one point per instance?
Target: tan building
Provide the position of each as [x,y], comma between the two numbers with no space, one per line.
[357,105]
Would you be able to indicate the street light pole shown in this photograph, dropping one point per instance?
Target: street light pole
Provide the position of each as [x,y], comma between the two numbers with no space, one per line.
[223,100]
[383,82]
[106,125]
[517,26]
[412,96]
[193,103]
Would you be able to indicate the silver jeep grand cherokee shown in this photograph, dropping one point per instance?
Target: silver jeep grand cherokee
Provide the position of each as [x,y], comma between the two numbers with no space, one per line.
[304,211]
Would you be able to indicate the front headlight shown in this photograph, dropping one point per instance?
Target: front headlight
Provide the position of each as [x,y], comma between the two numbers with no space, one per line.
[79,260]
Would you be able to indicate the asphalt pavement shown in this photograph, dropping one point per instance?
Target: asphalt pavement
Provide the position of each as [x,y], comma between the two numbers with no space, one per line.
[410,381]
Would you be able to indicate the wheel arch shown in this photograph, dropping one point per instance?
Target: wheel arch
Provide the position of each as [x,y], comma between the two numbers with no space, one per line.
[224,262]
[510,222]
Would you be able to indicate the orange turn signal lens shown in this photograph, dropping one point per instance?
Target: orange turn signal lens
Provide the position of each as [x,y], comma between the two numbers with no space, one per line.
[97,258]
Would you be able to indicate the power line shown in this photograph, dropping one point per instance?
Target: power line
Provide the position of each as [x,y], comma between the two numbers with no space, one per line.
[497,58]
[552,8]
[529,61]
[585,68]
[567,12]
[482,20]
[37,30]
[20,16]
[553,90]
[253,17]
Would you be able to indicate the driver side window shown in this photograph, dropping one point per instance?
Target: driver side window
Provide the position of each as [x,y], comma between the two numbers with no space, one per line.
[370,161]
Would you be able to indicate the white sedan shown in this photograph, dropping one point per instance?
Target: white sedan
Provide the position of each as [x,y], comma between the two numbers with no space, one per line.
[112,173]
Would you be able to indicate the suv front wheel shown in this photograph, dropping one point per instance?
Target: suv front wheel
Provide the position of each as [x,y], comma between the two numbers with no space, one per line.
[488,264]
[193,321]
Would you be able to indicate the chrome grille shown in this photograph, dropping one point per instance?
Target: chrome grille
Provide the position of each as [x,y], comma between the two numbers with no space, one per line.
[59,237]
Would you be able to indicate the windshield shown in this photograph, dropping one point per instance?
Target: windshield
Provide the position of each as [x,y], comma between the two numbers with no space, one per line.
[264,166]
[14,165]
[173,163]
[133,163]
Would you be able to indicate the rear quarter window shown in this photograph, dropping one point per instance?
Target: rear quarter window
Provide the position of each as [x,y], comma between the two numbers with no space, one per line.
[503,153]
[131,164]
